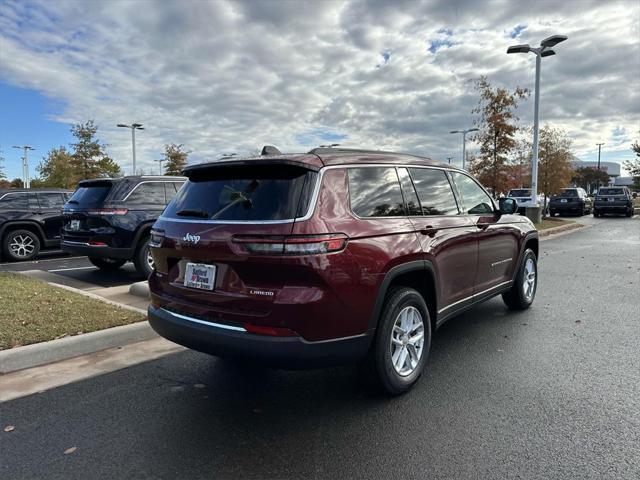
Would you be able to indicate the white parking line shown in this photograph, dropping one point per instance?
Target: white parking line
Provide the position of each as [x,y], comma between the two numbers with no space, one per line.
[41,260]
[69,269]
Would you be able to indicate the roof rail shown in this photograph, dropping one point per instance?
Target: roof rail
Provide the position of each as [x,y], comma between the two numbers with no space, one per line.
[318,150]
[270,150]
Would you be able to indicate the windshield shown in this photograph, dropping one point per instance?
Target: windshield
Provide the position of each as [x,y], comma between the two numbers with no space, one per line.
[519,193]
[611,191]
[90,195]
[244,193]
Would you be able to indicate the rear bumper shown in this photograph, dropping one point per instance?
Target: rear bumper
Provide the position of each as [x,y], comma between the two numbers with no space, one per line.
[607,208]
[84,248]
[232,341]
[567,207]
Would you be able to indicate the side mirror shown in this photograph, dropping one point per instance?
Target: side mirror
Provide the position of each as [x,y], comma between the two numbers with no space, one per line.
[507,206]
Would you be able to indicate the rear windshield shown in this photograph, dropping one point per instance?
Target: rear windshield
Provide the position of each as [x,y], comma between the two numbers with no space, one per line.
[519,193]
[569,193]
[611,191]
[244,193]
[90,195]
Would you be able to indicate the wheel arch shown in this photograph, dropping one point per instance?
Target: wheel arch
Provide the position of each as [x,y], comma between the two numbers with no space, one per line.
[143,230]
[419,275]
[22,225]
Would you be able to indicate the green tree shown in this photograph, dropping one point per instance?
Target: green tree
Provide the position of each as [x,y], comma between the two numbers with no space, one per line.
[554,161]
[58,169]
[89,157]
[175,158]
[589,178]
[16,183]
[496,120]
[634,165]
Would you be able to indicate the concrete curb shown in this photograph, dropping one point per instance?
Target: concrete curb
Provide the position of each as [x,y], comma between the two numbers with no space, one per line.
[560,229]
[68,347]
[140,289]
[64,348]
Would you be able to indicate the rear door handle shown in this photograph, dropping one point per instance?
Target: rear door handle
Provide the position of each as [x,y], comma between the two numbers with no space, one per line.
[429,230]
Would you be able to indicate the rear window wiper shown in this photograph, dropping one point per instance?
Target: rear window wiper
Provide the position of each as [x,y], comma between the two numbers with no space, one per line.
[192,213]
[73,201]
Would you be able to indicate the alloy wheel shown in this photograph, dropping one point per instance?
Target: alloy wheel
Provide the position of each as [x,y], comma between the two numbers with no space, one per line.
[407,341]
[22,246]
[529,279]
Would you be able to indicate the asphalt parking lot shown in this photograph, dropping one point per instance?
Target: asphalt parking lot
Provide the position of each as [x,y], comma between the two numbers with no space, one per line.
[552,392]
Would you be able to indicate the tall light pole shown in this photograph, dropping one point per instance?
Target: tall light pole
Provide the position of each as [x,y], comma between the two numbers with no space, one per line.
[599,147]
[544,50]
[464,143]
[160,164]
[26,181]
[133,127]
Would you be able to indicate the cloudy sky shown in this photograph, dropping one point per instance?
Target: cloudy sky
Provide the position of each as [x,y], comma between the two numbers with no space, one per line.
[230,76]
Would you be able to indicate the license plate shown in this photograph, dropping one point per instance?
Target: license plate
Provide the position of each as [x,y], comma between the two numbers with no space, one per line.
[563,200]
[199,275]
[612,199]
[74,225]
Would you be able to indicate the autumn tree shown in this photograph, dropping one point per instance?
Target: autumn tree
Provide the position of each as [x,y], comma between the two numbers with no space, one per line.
[554,161]
[58,169]
[16,183]
[175,158]
[89,159]
[589,178]
[634,165]
[496,120]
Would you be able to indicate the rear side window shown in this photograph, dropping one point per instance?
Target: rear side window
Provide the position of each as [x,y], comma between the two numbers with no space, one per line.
[375,192]
[434,191]
[244,193]
[474,200]
[18,201]
[149,193]
[51,200]
[90,195]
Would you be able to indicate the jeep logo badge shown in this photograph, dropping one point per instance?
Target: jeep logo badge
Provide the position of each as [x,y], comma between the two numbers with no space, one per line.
[191,238]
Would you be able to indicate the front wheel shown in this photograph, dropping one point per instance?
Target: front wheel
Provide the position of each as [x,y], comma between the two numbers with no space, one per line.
[402,343]
[107,264]
[523,291]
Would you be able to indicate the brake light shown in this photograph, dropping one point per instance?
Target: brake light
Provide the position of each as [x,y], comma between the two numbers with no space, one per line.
[97,244]
[108,211]
[293,244]
[270,331]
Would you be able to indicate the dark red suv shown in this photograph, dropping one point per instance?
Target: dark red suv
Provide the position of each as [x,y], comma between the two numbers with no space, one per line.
[333,256]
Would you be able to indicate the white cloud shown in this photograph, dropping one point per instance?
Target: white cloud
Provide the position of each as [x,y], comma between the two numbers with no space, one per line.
[230,76]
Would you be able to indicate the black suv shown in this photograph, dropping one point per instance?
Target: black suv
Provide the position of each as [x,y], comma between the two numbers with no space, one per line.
[571,200]
[30,220]
[109,219]
[613,200]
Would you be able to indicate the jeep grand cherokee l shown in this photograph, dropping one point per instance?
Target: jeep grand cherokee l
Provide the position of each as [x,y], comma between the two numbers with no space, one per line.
[571,200]
[613,200]
[333,256]
[30,220]
[109,219]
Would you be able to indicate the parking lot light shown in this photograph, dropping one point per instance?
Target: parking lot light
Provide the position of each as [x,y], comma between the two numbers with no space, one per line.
[464,143]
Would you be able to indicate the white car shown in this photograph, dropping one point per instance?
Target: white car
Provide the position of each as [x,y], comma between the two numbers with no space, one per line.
[524,199]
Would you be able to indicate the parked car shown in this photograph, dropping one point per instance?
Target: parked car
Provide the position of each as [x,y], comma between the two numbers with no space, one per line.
[524,198]
[571,200]
[333,256]
[613,200]
[109,219]
[30,219]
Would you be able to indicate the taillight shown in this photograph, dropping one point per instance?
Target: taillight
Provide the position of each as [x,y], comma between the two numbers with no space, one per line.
[156,238]
[108,211]
[293,244]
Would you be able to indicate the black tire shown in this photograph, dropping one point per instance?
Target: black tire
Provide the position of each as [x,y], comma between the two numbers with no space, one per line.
[107,264]
[141,261]
[517,298]
[378,365]
[20,245]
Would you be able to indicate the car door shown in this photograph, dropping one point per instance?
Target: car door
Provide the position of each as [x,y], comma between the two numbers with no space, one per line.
[448,239]
[497,236]
[50,211]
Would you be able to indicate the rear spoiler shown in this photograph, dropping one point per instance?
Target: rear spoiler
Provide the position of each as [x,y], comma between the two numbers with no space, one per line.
[275,162]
